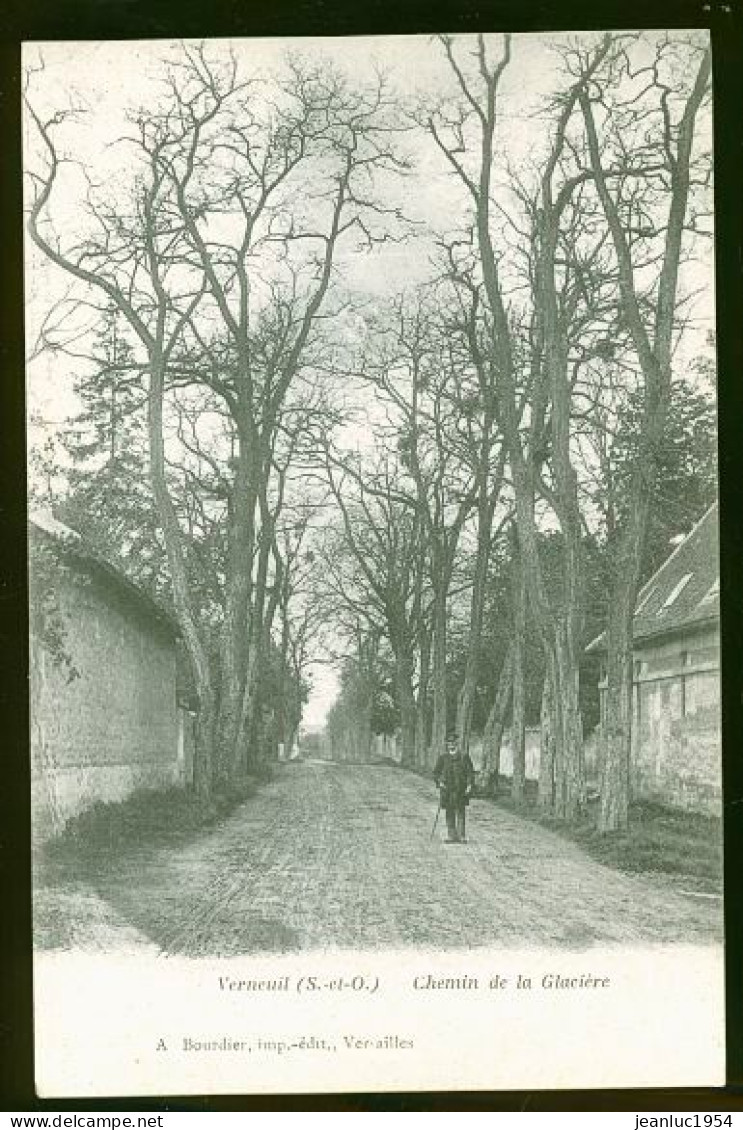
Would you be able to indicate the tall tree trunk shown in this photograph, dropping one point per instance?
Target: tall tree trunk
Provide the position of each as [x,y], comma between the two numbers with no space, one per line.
[653,344]
[492,737]
[283,690]
[560,707]
[438,726]
[205,738]
[421,705]
[616,729]
[518,707]
[258,647]
[290,735]
[204,742]
[244,751]
[363,735]
[560,757]
[567,725]
[509,414]
[233,644]
[545,796]
[268,738]
[550,370]
[406,704]
[559,636]
[253,647]
[565,621]
[467,691]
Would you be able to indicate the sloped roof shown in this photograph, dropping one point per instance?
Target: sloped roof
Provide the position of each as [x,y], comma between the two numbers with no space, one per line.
[72,546]
[684,592]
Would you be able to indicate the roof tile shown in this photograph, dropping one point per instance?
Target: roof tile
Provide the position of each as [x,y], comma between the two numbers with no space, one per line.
[665,604]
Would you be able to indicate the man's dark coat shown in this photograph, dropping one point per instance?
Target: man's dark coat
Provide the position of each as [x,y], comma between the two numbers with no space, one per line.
[454,775]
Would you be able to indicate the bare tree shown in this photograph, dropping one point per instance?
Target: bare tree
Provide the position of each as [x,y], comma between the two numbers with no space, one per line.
[221,272]
[466,136]
[518,708]
[382,535]
[473,396]
[649,133]
[417,369]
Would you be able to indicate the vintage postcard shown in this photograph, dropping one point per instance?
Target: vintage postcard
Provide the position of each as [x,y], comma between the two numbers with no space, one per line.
[375,681]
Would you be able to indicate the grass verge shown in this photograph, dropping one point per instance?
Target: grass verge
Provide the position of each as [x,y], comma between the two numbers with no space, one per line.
[146,818]
[683,847]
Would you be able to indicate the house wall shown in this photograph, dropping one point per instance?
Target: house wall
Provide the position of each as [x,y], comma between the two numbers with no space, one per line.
[676,754]
[115,727]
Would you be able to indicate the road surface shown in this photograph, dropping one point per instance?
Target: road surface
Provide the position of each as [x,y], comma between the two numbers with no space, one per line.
[333,855]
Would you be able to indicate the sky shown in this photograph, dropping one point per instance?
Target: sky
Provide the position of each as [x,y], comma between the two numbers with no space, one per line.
[107,79]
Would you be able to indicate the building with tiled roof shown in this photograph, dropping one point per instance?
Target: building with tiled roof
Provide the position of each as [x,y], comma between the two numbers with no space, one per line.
[676,676]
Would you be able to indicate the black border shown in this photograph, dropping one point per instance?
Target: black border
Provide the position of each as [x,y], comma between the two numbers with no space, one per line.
[132,19]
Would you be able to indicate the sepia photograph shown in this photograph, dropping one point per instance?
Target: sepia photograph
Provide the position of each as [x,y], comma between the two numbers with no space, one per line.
[373,562]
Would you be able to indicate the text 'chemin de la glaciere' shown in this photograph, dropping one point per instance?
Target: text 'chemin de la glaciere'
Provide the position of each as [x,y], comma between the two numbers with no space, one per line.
[420,982]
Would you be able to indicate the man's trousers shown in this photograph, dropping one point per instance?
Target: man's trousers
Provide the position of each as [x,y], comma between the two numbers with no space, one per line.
[455,820]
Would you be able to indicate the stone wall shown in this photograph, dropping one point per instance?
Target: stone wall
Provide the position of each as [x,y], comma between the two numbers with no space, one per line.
[387,747]
[685,772]
[114,727]
[676,751]
[186,744]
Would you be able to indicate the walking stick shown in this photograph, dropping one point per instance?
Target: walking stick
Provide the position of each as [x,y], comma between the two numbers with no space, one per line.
[436,820]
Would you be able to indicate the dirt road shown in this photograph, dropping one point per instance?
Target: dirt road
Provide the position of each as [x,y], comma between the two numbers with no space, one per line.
[340,855]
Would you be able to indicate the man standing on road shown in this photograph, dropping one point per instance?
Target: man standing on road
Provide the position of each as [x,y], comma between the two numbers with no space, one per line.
[454,775]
